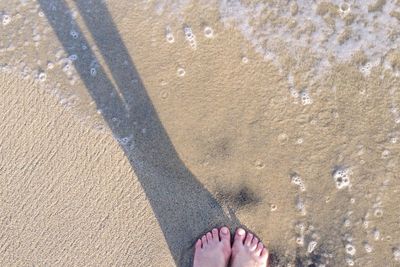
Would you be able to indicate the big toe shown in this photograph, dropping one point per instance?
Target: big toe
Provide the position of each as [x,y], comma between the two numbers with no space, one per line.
[239,236]
[225,235]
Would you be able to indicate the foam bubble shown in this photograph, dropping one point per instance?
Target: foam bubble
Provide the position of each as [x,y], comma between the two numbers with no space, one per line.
[73,57]
[350,262]
[305,97]
[297,180]
[341,177]
[50,65]
[208,32]
[74,34]
[368,248]
[93,72]
[311,246]
[299,141]
[169,36]
[6,19]
[259,164]
[300,240]
[42,76]
[181,72]
[376,234]
[396,254]
[350,249]
[273,207]
[190,37]
[378,213]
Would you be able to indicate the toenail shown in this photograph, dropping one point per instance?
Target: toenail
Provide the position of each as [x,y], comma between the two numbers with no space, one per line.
[224,230]
[241,231]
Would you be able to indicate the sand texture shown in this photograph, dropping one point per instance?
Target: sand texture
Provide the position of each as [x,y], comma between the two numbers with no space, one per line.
[130,128]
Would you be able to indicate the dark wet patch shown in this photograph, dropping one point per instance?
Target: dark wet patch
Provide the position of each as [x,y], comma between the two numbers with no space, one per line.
[238,198]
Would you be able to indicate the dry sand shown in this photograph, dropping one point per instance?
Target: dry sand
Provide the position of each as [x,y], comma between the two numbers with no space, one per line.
[118,157]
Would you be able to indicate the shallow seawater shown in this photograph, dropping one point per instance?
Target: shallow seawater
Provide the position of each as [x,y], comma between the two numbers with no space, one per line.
[287,111]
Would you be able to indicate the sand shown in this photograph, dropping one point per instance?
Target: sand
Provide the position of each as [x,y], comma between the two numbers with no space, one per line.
[122,146]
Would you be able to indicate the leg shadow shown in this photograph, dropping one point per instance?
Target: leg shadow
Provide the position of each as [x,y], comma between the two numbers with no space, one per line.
[181,204]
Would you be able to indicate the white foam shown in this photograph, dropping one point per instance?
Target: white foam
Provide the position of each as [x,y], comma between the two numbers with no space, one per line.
[190,37]
[396,254]
[311,246]
[309,36]
[6,19]
[350,249]
[341,177]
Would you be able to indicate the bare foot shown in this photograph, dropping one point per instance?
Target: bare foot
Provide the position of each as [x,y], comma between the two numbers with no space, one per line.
[247,251]
[213,249]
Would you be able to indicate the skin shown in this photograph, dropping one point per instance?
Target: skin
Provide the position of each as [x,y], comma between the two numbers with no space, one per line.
[214,250]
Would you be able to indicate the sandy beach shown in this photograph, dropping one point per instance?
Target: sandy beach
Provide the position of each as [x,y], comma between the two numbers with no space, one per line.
[130,128]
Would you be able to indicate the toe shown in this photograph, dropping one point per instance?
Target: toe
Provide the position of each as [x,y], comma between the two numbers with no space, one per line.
[198,244]
[225,235]
[264,254]
[240,235]
[204,240]
[259,248]
[215,234]
[254,244]
[249,238]
[209,237]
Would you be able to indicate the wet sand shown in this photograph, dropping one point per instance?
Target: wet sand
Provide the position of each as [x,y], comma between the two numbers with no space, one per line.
[208,132]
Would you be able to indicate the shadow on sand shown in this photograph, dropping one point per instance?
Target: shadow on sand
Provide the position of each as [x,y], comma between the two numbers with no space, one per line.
[183,207]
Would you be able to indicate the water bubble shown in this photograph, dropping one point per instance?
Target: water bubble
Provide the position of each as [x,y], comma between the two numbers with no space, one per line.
[6,19]
[305,97]
[170,38]
[259,164]
[350,249]
[368,248]
[342,178]
[245,60]
[208,32]
[378,213]
[42,76]
[300,240]
[273,207]
[299,141]
[73,57]
[74,34]
[93,72]
[181,72]
[297,180]
[50,65]
[190,37]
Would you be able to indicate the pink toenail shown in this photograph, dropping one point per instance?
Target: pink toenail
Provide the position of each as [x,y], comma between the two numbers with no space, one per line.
[224,230]
[241,231]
